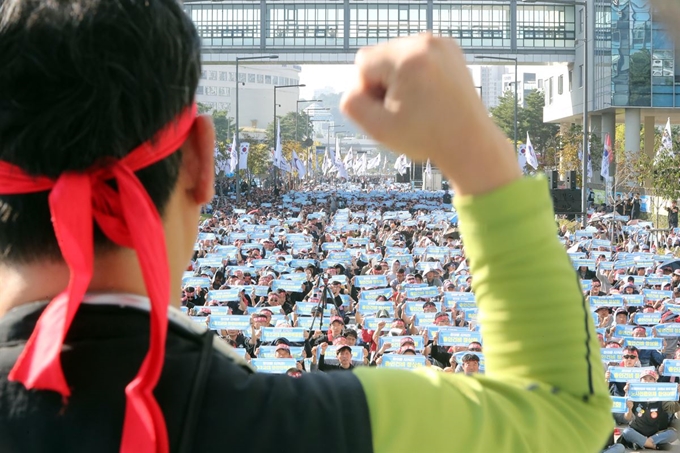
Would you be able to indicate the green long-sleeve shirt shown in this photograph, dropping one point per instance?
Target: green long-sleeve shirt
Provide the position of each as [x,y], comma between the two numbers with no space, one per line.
[543,389]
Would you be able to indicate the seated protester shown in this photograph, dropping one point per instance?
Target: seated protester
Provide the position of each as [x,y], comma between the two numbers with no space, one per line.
[670,344]
[648,357]
[352,339]
[234,337]
[429,307]
[649,422]
[432,278]
[343,354]
[604,317]
[282,351]
[470,364]
[663,378]
[193,296]
[342,341]
[334,331]
[620,318]
[399,278]
[630,359]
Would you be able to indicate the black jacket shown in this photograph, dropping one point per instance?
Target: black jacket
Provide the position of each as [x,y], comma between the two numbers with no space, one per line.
[210,403]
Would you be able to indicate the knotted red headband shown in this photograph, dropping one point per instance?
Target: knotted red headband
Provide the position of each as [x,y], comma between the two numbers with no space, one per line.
[129,218]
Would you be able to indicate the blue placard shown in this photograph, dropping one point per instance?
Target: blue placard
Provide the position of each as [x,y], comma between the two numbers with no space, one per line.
[370,307]
[196,282]
[633,300]
[647,319]
[395,342]
[627,374]
[657,294]
[643,391]
[586,285]
[291,286]
[619,405]
[332,246]
[623,264]
[291,333]
[402,361]
[652,281]
[262,291]
[671,367]
[305,308]
[425,319]
[229,322]
[671,329]
[452,297]
[273,366]
[306,322]
[411,308]
[214,310]
[370,281]
[626,330]
[590,264]
[605,301]
[269,352]
[611,354]
[424,292]
[456,337]
[224,295]
[644,343]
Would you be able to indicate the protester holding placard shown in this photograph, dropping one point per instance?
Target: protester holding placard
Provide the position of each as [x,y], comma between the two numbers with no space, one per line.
[650,421]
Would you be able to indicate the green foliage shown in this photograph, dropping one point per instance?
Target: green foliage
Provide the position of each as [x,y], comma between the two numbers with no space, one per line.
[305,128]
[529,119]
[660,175]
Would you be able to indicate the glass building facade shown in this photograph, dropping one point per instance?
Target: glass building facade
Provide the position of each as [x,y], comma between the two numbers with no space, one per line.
[634,57]
[350,24]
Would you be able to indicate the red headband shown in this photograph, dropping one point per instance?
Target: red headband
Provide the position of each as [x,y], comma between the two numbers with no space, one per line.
[129,218]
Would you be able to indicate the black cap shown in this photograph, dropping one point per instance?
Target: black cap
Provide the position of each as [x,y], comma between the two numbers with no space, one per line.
[281,340]
[344,346]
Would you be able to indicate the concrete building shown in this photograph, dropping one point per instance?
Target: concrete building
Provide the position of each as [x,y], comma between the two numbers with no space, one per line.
[491,82]
[256,92]
[632,75]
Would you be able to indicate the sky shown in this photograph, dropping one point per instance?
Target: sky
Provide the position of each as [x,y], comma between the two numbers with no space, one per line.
[338,77]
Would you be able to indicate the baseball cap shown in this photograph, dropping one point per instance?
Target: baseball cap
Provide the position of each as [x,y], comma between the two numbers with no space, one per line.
[406,340]
[382,314]
[407,349]
[341,348]
[282,346]
[651,373]
[338,319]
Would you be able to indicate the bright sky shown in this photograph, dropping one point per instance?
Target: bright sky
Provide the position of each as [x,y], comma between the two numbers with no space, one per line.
[339,77]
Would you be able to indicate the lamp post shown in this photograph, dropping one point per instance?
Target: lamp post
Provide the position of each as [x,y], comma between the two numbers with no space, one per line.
[237,143]
[276,87]
[586,130]
[297,113]
[514,60]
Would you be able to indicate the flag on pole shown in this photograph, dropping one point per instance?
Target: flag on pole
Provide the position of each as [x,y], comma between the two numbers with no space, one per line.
[299,166]
[590,162]
[327,162]
[361,166]
[373,163]
[401,164]
[667,139]
[607,156]
[428,168]
[522,157]
[278,151]
[243,159]
[531,154]
[233,155]
[348,161]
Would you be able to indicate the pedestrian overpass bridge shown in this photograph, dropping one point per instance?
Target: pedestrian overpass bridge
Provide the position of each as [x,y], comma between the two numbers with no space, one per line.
[331,31]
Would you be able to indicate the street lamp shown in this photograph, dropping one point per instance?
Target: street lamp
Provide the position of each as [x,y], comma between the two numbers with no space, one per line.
[586,151]
[276,87]
[237,143]
[484,57]
[297,113]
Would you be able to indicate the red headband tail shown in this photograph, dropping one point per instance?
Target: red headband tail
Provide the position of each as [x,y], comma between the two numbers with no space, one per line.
[130,219]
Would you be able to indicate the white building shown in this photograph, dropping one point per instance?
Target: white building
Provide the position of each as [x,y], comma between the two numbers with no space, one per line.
[491,78]
[256,92]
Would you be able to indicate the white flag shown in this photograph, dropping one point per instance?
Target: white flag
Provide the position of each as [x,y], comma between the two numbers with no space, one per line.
[278,151]
[362,164]
[374,162]
[299,166]
[522,157]
[667,140]
[243,159]
[327,162]
[233,155]
[428,168]
[349,159]
[401,165]
[531,154]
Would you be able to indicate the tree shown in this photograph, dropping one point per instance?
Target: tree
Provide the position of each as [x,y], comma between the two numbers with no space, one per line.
[531,120]
[504,114]
[224,126]
[305,128]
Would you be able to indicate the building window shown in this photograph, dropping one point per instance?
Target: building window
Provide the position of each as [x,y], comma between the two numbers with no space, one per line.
[199,90]
[251,78]
[223,76]
[580,76]
[268,80]
[275,80]
[550,90]
[260,78]
[581,20]
[212,75]
[560,85]
[231,77]
[571,79]
[204,74]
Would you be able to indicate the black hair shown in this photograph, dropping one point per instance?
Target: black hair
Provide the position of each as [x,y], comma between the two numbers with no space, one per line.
[83,81]
[470,357]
